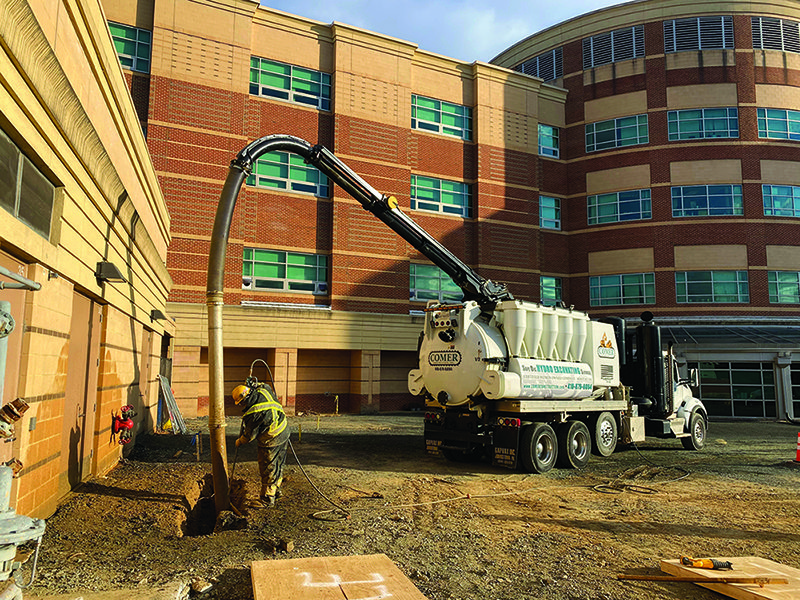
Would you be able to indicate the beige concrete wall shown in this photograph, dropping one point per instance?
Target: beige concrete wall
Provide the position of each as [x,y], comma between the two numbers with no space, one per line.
[780,172]
[776,60]
[696,172]
[65,103]
[138,13]
[777,96]
[710,257]
[619,179]
[695,60]
[783,258]
[708,95]
[628,68]
[637,260]
[621,105]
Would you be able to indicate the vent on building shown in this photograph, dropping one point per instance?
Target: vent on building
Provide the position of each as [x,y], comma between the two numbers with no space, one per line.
[700,33]
[613,46]
[776,34]
[547,66]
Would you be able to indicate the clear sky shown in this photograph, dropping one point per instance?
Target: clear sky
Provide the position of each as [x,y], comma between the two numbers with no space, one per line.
[466,30]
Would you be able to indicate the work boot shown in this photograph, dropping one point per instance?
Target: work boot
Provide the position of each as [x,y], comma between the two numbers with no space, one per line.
[278,493]
[267,501]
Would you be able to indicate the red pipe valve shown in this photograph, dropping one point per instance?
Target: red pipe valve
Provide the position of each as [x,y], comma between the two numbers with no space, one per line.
[122,424]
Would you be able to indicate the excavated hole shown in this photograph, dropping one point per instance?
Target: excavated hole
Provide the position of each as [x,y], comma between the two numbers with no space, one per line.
[202,516]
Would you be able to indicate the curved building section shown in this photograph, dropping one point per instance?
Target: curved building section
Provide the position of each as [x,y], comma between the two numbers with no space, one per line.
[681,192]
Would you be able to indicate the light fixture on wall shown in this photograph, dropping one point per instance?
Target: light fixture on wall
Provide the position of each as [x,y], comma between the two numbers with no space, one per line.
[108,271]
[157,315]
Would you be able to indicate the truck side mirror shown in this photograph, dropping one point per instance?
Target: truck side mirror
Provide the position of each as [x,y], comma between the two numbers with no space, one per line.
[694,380]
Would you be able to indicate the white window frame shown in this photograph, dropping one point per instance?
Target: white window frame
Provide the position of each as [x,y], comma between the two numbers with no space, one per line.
[778,124]
[299,83]
[441,196]
[548,140]
[714,278]
[554,288]
[620,203]
[784,287]
[685,194]
[299,177]
[620,126]
[769,196]
[630,288]
[444,290]
[441,111]
[613,46]
[698,33]
[141,38]
[552,221]
[285,284]
[708,123]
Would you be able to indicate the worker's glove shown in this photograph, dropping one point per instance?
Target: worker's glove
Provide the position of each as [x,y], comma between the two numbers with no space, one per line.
[240,441]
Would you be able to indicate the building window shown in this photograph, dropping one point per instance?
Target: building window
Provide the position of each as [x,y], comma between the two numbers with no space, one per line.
[738,389]
[24,191]
[132,45]
[784,287]
[438,116]
[698,33]
[630,288]
[701,123]
[632,205]
[274,79]
[770,33]
[440,195]
[781,200]
[550,290]
[277,270]
[547,66]
[549,212]
[778,124]
[548,141]
[429,282]
[617,133]
[613,46]
[711,287]
[284,171]
[707,200]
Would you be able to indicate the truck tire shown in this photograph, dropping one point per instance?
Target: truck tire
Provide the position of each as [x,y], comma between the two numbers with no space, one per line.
[538,448]
[574,445]
[604,434]
[697,432]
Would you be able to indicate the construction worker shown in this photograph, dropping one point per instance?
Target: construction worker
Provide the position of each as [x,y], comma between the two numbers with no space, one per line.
[265,421]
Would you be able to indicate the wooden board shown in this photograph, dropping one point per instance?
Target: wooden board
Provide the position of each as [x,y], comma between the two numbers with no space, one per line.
[369,577]
[744,566]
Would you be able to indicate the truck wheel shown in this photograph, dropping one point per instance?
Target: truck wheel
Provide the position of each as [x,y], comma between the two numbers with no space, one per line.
[538,448]
[697,432]
[574,445]
[605,434]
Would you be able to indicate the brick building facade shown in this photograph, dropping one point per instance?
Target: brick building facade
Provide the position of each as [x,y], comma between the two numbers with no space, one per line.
[354,338]
[683,163]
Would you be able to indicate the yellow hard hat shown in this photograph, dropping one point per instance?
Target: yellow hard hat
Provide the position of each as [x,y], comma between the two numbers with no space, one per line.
[239,393]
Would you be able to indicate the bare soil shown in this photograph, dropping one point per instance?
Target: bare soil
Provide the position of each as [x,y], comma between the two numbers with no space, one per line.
[457,530]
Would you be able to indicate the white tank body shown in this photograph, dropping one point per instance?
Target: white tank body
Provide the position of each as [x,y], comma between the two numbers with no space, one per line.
[522,350]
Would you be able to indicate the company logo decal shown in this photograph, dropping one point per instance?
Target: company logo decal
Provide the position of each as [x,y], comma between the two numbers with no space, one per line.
[606,348]
[444,358]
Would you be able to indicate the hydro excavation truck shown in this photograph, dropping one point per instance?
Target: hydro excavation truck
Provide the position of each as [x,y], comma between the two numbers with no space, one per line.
[530,385]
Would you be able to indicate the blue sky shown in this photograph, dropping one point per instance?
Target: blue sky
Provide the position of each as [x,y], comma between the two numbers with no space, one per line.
[467,30]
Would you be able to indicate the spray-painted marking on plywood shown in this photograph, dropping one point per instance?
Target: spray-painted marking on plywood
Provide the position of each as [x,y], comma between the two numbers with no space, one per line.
[336,581]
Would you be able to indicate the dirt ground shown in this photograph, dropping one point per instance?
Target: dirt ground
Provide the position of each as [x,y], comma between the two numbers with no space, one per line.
[551,536]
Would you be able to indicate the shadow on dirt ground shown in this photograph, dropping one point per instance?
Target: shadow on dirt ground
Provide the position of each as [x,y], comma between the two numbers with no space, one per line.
[457,530]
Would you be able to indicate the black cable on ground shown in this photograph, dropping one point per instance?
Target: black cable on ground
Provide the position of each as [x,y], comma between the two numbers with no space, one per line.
[616,487]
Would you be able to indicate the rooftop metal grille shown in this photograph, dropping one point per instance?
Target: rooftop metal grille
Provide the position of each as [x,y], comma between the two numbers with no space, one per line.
[547,66]
[776,34]
[698,33]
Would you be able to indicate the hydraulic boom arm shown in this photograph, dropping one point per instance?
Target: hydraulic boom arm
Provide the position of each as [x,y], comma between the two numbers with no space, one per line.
[484,291]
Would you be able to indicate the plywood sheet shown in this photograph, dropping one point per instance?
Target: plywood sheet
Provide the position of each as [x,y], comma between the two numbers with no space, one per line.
[744,566]
[332,578]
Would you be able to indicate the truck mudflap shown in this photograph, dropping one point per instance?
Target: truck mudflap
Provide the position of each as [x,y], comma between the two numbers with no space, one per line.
[505,443]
